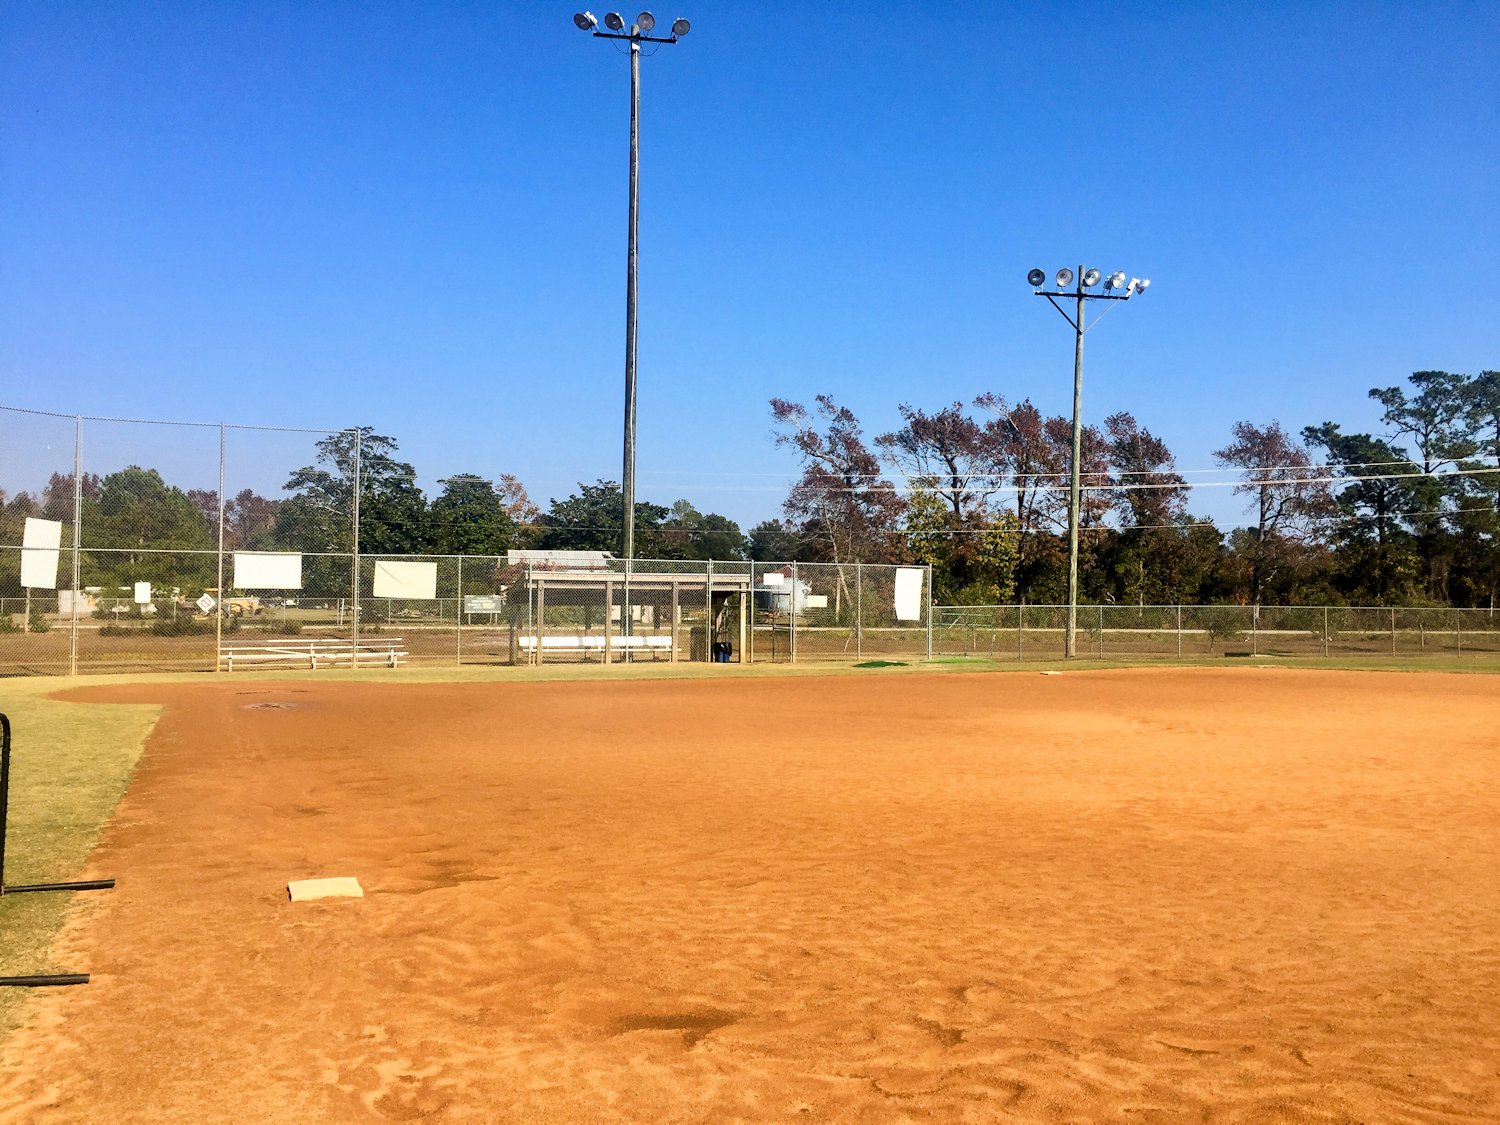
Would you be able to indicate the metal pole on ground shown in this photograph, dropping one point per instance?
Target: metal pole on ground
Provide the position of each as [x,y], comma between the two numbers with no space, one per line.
[77,593]
[859,611]
[791,617]
[929,612]
[1115,289]
[354,556]
[219,609]
[33,981]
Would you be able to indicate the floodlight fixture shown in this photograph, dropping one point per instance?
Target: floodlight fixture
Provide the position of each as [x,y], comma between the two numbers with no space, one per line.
[613,21]
[1036,279]
[645,21]
[681,27]
[1140,283]
[585,21]
[1117,280]
[1090,278]
[1064,277]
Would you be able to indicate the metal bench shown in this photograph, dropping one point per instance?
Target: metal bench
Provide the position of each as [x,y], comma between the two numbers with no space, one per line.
[313,652]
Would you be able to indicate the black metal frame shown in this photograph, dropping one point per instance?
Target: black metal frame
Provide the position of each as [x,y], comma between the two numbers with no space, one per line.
[45,979]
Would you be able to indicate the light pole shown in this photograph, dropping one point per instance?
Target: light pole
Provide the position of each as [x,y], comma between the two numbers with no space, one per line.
[640,32]
[1115,288]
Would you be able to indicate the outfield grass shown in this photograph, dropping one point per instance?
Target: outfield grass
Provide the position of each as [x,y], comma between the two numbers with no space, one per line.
[70,763]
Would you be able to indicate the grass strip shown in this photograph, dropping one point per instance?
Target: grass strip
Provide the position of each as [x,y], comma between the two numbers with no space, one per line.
[70,764]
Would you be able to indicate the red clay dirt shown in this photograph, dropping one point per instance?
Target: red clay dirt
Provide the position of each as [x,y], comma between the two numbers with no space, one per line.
[1147,895]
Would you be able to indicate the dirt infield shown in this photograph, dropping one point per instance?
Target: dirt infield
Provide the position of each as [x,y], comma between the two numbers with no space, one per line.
[1149,895]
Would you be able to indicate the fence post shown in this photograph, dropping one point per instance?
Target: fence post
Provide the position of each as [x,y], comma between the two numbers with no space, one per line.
[1101,630]
[458,618]
[791,619]
[859,611]
[1255,630]
[1179,631]
[77,532]
[1393,632]
[1458,629]
[1325,630]
[353,556]
[709,632]
[929,612]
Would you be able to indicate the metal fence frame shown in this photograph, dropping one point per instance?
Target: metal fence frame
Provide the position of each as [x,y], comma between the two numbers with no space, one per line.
[1016,632]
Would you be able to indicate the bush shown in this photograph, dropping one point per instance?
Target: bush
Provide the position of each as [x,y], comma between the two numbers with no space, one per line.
[38,622]
[113,630]
[7,625]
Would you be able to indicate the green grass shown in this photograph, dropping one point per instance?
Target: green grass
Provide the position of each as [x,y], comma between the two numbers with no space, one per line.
[70,763]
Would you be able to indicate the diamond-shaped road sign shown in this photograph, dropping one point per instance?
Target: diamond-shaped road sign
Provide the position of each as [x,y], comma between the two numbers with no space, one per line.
[206,603]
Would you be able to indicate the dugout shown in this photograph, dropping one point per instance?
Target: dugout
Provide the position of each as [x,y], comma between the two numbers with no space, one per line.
[574,606]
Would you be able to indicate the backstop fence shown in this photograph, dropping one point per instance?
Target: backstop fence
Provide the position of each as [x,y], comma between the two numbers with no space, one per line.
[137,546]
[1035,632]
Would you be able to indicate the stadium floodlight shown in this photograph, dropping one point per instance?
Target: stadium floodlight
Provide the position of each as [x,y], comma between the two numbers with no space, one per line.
[585,21]
[1088,278]
[1141,285]
[640,32]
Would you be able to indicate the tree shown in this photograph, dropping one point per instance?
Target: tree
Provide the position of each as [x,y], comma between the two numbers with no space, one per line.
[470,517]
[689,534]
[1434,419]
[840,497]
[140,520]
[1376,559]
[1021,449]
[249,519]
[776,541]
[590,520]
[947,451]
[392,510]
[1290,503]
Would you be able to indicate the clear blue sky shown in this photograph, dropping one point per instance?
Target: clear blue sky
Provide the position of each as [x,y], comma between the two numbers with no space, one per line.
[412,216]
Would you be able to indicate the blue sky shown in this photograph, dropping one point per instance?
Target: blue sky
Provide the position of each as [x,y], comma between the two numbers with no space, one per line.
[412,216]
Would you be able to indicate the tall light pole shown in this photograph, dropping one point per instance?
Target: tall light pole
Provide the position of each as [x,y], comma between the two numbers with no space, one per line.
[1115,288]
[640,32]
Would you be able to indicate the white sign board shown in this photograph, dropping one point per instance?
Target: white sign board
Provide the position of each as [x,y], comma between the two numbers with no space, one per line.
[267,570]
[39,549]
[205,603]
[909,593]
[405,580]
[143,593]
[772,578]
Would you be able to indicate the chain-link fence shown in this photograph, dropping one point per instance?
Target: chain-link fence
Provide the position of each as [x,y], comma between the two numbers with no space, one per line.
[1018,632]
[132,546]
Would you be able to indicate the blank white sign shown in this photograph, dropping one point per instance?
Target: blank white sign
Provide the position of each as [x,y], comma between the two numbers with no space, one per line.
[266,570]
[143,593]
[909,593]
[39,549]
[405,579]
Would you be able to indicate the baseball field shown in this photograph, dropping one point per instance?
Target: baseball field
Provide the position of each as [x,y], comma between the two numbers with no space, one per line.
[1158,895]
